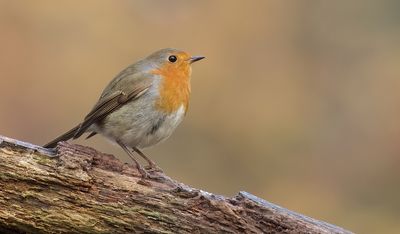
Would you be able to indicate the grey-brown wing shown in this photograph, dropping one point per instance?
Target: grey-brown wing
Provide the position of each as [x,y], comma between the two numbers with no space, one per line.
[110,103]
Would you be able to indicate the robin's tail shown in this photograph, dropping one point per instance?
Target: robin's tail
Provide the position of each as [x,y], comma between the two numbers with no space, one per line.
[64,137]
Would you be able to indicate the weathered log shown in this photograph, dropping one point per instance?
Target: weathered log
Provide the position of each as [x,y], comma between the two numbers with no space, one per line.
[76,189]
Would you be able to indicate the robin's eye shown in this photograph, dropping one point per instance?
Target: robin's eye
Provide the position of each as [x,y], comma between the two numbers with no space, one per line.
[172,58]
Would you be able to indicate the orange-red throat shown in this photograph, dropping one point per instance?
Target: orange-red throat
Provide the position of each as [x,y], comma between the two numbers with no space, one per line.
[175,84]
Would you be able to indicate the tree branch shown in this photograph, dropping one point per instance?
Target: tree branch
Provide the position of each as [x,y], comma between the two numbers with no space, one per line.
[76,189]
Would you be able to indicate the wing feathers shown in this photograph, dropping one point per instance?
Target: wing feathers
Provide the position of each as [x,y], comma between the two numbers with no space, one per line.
[109,104]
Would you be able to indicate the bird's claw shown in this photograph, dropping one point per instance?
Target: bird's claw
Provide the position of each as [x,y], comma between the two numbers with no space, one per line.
[153,168]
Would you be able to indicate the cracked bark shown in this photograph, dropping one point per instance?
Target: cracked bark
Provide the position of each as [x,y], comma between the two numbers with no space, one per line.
[76,189]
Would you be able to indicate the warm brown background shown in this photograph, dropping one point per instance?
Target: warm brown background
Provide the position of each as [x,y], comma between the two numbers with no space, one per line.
[297,101]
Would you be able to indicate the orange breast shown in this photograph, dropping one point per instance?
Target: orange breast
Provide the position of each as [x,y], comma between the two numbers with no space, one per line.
[174,88]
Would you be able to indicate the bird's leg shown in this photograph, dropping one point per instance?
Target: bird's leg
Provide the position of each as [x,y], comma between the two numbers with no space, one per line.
[149,161]
[130,154]
[151,165]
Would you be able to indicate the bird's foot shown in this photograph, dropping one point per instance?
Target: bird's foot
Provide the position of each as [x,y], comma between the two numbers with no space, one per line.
[152,167]
[143,172]
[148,174]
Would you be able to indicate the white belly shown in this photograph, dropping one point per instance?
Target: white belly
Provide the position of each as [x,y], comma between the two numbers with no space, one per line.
[141,128]
[161,129]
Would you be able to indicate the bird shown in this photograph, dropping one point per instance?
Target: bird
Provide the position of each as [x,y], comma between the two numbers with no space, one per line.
[141,106]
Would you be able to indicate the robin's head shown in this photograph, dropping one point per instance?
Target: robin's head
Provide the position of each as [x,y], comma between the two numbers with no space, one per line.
[173,61]
[174,66]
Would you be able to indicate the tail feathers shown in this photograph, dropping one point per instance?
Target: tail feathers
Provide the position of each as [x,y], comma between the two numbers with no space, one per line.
[91,134]
[64,137]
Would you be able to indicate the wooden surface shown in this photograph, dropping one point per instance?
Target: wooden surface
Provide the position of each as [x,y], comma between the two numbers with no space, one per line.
[76,189]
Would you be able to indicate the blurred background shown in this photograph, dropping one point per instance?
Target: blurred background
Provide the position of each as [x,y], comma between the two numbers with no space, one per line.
[297,101]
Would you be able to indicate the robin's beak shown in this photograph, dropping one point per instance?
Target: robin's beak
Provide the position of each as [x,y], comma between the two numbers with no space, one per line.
[195,59]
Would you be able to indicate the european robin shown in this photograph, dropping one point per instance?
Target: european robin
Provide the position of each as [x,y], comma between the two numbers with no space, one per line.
[142,105]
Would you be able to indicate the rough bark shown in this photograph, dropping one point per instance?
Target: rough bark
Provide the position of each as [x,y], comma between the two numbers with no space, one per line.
[76,189]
